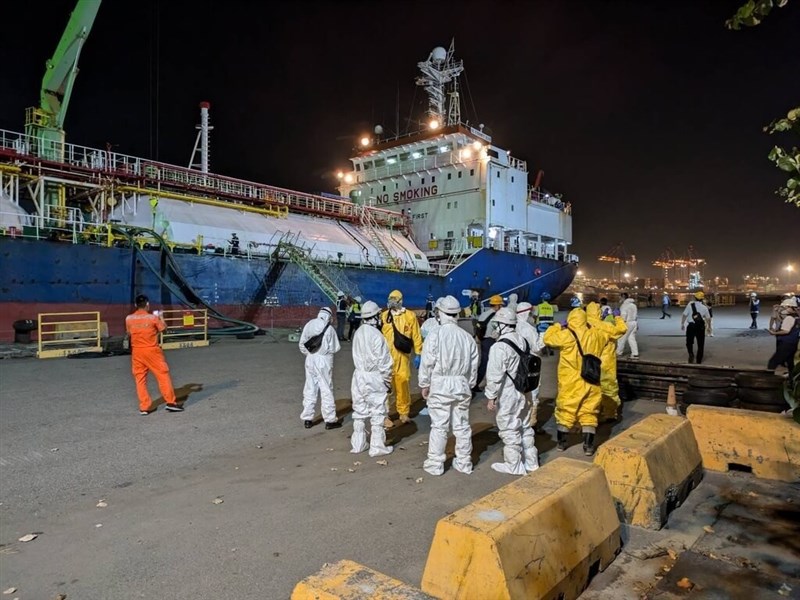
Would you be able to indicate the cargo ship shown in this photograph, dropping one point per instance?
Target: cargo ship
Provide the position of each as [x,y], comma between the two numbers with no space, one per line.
[439,211]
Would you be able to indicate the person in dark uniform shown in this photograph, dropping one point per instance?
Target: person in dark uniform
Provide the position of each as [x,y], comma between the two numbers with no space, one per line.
[234,242]
[341,315]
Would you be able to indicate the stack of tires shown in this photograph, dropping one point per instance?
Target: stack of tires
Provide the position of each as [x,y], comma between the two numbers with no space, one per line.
[763,392]
[708,391]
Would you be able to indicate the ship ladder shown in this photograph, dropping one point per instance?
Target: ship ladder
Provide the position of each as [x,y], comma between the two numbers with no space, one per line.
[371,229]
[299,257]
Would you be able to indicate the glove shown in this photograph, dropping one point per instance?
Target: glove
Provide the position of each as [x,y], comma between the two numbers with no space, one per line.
[417,360]
[616,312]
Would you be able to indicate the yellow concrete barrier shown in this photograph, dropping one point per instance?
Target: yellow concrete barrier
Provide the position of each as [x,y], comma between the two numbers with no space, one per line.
[767,443]
[541,537]
[651,468]
[347,580]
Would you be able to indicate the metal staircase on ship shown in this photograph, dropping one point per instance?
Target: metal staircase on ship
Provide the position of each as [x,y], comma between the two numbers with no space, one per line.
[370,228]
[330,281]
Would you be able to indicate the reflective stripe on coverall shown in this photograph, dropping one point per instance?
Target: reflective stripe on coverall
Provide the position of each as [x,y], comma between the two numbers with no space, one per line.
[407,324]
[615,327]
[577,400]
[369,388]
[449,368]
[147,357]
[319,369]
[513,408]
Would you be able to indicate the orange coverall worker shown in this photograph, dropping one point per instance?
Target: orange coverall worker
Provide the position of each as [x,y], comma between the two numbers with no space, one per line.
[146,356]
[407,324]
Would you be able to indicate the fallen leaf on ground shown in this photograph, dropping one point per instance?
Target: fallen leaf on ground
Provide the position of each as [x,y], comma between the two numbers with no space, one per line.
[217,501]
[28,538]
[708,529]
[381,462]
[102,504]
[685,583]
[351,470]
[99,525]
[418,480]
[10,590]
[334,469]
[329,449]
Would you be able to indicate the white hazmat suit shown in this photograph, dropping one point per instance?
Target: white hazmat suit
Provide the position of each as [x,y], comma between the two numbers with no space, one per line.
[534,338]
[319,368]
[630,314]
[372,379]
[448,372]
[513,408]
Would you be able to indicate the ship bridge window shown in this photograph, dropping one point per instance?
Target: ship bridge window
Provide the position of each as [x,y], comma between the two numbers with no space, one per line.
[404,156]
[391,160]
[416,155]
[512,179]
[409,183]
[471,172]
[449,175]
[431,150]
[368,165]
[422,180]
[379,163]
[498,174]
[384,188]
[358,167]
[433,178]
[459,174]
[448,205]
[445,148]
[493,153]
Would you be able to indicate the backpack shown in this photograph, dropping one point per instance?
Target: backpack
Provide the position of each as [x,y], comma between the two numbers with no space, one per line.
[314,343]
[590,364]
[697,318]
[402,342]
[526,379]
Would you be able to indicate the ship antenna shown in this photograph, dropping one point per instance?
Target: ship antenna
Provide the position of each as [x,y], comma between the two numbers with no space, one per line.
[203,140]
[438,70]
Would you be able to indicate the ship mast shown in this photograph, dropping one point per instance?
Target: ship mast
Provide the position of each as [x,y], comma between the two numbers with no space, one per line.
[438,70]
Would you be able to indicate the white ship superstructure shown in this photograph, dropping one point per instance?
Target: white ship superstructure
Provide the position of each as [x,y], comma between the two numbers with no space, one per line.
[460,191]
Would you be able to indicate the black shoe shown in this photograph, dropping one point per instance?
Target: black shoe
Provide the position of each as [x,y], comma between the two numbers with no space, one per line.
[588,444]
[334,425]
[174,408]
[308,424]
[562,440]
[691,359]
[662,318]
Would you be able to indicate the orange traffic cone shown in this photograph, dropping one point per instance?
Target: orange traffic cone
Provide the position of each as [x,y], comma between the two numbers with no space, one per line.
[672,405]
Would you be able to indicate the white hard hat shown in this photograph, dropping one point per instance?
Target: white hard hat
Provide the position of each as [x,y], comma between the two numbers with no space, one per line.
[370,309]
[506,316]
[340,294]
[448,305]
[523,307]
[358,299]
[790,302]
[752,294]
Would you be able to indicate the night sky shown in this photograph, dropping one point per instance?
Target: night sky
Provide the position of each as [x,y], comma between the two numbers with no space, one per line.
[646,116]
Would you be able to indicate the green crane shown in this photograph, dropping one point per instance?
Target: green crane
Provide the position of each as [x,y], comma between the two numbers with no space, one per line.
[45,123]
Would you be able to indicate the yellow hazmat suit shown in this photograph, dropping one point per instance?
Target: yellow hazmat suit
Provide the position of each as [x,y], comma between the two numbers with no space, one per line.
[615,327]
[407,324]
[577,401]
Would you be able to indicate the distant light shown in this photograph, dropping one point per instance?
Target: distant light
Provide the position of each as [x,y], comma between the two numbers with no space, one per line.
[339,175]
[477,145]
[492,232]
[348,178]
[466,153]
[580,273]
[627,274]
[443,149]
[365,141]
[434,124]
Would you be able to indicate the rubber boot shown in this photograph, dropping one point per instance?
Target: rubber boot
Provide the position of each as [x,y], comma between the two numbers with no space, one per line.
[588,444]
[562,440]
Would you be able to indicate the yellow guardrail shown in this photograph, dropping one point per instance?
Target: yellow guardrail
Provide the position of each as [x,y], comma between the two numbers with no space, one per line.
[186,328]
[63,334]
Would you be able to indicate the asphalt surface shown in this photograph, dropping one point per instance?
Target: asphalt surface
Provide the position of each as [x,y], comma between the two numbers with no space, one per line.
[71,436]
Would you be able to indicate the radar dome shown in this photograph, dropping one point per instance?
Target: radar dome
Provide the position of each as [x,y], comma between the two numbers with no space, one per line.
[439,54]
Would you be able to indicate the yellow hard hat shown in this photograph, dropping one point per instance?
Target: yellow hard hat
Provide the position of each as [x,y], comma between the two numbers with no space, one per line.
[699,295]
[396,294]
[496,300]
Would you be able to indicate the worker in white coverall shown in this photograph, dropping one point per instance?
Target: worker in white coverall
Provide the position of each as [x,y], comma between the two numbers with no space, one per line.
[527,330]
[630,314]
[431,324]
[319,370]
[513,408]
[447,374]
[372,379]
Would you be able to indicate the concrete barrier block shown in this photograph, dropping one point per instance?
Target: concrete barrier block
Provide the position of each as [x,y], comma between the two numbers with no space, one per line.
[651,468]
[348,580]
[541,537]
[767,443]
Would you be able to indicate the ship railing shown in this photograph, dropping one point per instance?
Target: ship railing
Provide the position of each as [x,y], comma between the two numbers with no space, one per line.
[536,195]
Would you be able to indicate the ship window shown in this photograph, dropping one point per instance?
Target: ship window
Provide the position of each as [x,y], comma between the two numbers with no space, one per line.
[493,153]
[512,208]
[379,162]
[498,174]
[492,201]
[368,165]
[391,160]
[384,188]
[448,205]
[396,185]
[433,179]
[445,148]
[471,172]
[416,155]
[409,183]
[422,180]
[404,156]
[358,167]
[512,179]
[431,150]
[433,238]
[449,176]
[459,174]
[455,204]
[371,191]
[449,234]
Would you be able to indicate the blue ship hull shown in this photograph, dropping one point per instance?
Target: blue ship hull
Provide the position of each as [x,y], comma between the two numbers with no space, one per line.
[41,276]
